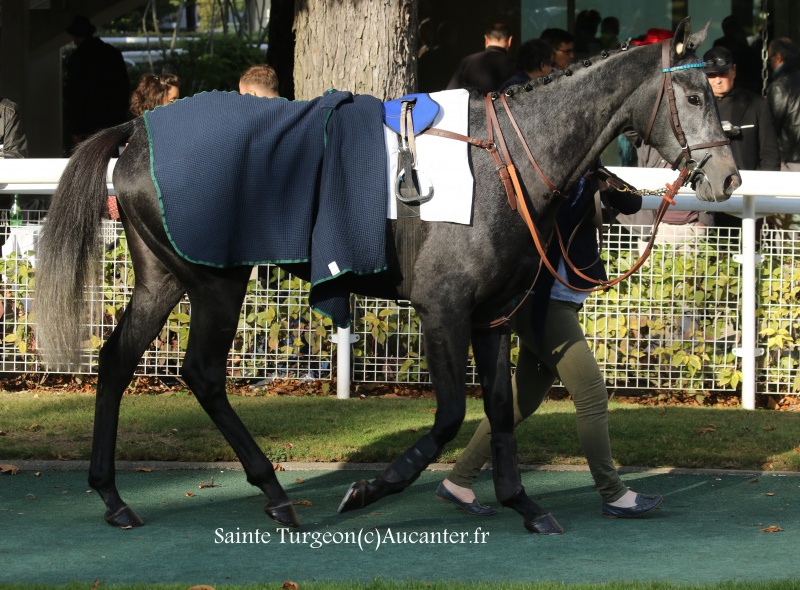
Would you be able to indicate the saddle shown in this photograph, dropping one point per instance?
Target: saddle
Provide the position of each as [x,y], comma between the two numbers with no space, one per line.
[407,117]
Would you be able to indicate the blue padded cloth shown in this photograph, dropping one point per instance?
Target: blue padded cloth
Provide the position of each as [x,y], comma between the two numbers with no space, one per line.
[423,114]
[245,180]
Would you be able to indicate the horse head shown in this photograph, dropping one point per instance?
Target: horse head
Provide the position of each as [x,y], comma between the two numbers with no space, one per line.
[684,124]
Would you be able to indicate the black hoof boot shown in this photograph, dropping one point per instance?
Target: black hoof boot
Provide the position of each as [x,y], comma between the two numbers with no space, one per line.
[123,517]
[536,519]
[282,513]
[545,524]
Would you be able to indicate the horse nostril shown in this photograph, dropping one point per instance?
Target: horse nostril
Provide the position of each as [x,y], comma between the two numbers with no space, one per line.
[732,182]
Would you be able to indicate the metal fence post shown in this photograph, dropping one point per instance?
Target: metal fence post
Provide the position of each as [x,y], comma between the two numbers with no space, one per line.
[748,259]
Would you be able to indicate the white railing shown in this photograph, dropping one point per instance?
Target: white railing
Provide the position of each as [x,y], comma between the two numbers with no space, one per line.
[761,193]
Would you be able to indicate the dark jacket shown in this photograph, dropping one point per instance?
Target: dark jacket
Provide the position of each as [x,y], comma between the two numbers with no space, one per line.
[578,212]
[97,89]
[15,144]
[484,71]
[784,102]
[754,148]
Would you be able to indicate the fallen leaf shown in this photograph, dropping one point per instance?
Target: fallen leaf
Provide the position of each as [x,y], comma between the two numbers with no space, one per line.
[206,485]
[770,493]
[202,587]
[279,467]
[126,528]
[289,445]
[705,430]
[771,529]
[143,469]
[755,480]
[96,584]
[298,480]
[189,495]
[770,427]
[37,474]
[33,427]
[302,503]
[288,585]
[9,469]
[2,433]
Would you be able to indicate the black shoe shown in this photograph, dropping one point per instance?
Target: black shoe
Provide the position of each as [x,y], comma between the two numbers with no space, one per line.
[475,508]
[644,503]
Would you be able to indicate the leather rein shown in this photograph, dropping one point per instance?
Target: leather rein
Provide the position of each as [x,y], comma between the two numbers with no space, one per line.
[516,200]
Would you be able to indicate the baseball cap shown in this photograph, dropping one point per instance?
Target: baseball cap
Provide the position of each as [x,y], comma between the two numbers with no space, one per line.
[718,59]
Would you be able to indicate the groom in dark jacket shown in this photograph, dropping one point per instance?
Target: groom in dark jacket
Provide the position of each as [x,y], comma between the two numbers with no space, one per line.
[746,119]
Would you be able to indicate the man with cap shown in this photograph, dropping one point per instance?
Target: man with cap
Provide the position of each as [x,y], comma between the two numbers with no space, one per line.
[746,119]
[784,99]
[97,89]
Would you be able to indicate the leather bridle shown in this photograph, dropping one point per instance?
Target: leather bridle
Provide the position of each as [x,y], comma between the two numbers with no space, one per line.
[516,199]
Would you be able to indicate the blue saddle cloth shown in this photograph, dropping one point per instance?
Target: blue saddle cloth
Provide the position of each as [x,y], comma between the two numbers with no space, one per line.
[422,115]
[245,180]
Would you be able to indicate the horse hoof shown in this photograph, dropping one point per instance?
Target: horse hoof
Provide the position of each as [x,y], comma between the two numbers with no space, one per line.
[544,525]
[282,514]
[124,518]
[355,498]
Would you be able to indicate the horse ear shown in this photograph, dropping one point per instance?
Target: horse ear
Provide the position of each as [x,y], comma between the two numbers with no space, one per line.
[681,37]
[684,41]
[695,40]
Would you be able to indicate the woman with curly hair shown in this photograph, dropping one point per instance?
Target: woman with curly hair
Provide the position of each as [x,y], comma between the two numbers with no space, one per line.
[154,90]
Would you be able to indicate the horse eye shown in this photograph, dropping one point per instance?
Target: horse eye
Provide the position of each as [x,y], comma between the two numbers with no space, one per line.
[694,99]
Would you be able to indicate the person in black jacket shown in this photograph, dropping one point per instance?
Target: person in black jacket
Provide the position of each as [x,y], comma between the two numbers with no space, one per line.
[784,99]
[746,119]
[12,137]
[97,87]
[553,346]
[486,70]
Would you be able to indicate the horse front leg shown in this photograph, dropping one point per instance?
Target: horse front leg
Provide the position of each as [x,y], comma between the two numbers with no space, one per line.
[446,348]
[492,349]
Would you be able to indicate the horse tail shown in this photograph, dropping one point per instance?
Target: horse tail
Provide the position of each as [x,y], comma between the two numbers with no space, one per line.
[69,246]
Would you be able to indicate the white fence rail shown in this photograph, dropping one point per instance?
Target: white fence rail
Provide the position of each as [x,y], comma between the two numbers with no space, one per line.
[702,299]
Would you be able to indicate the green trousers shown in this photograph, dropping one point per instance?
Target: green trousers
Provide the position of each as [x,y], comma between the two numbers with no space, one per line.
[564,354]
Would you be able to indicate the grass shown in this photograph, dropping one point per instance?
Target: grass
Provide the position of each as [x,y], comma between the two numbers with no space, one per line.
[59,426]
[381,585]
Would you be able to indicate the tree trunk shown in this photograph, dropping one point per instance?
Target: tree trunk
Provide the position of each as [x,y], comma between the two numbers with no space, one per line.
[364,46]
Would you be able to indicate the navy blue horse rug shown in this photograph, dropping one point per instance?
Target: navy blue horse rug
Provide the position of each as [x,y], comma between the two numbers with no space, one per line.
[245,180]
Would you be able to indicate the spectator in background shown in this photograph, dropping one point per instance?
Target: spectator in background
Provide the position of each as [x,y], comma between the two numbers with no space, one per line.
[534,60]
[97,86]
[13,143]
[586,42]
[154,90]
[486,70]
[784,99]
[746,119]
[609,33]
[746,58]
[563,44]
[259,80]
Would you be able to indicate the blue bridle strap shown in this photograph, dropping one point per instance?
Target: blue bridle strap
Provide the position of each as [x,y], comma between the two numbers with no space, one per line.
[699,64]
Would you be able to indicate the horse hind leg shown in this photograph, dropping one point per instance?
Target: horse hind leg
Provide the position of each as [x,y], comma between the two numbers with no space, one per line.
[216,301]
[154,296]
